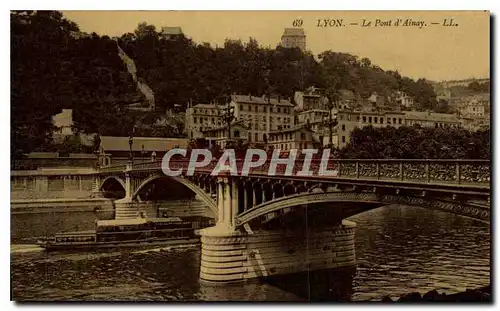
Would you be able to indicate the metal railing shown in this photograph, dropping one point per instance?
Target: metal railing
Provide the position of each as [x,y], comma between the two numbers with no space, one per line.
[415,170]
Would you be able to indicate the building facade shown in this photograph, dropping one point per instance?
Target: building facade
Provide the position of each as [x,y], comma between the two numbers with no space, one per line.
[115,150]
[349,120]
[298,137]
[219,136]
[203,117]
[262,115]
[475,106]
[314,118]
[294,38]
[432,119]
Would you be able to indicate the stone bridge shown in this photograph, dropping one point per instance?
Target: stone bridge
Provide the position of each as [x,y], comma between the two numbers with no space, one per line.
[267,224]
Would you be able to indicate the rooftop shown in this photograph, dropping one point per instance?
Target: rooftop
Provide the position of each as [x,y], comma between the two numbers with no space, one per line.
[208,106]
[260,100]
[430,116]
[292,129]
[294,32]
[235,123]
[171,30]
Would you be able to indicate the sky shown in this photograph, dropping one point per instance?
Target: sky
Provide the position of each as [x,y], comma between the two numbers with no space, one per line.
[434,52]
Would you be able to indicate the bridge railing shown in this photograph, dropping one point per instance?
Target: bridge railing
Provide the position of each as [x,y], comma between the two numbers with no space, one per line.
[416,170]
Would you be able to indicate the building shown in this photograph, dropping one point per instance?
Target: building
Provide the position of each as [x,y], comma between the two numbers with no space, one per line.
[116,150]
[171,32]
[432,119]
[312,98]
[466,82]
[476,123]
[203,117]
[348,120]
[63,123]
[219,135]
[404,100]
[314,118]
[475,106]
[294,38]
[262,115]
[298,137]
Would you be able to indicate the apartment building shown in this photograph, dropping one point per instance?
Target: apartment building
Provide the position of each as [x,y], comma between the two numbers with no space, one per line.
[219,135]
[203,117]
[349,120]
[262,115]
[298,137]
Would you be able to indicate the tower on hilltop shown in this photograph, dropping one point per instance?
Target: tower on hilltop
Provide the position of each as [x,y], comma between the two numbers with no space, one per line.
[294,37]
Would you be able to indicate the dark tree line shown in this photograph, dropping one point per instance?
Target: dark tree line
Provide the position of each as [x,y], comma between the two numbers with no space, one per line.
[417,143]
[51,69]
[179,70]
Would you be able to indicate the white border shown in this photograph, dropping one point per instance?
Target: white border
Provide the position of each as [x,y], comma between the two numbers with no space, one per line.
[205,5]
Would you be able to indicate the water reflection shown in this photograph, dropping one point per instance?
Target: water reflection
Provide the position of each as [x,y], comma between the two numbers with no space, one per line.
[398,249]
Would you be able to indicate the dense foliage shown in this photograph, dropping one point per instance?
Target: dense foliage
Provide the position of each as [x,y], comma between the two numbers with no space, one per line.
[51,70]
[417,143]
[179,70]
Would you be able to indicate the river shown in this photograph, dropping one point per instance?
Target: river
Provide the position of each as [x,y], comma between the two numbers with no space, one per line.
[399,250]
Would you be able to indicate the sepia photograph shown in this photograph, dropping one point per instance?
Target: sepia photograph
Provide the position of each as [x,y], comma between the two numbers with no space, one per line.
[250,156]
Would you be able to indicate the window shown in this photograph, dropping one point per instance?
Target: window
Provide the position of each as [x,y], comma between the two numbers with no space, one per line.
[400,121]
[249,136]
[341,117]
[381,120]
[302,136]
[195,120]
[256,136]
[270,109]
[394,120]
[375,120]
[369,119]
[236,134]
[279,110]
[343,139]
[343,127]
[241,108]
[256,108]
[364,119]
[388,120]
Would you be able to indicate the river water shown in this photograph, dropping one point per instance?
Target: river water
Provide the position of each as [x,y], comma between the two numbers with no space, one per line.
[399,250]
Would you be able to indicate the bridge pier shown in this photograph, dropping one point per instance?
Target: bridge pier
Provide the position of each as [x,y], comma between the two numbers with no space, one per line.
[229,255]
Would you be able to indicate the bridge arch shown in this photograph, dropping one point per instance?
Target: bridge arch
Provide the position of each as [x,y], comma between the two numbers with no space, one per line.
[109,178]
[364,200]
[199,190]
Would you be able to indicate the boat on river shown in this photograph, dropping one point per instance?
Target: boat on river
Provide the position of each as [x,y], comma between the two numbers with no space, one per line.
[128,233]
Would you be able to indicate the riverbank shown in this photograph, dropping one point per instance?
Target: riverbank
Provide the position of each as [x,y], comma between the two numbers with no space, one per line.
[31,206]
[482,294]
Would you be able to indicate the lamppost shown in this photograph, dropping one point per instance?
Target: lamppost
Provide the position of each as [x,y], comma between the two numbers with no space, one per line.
[331,95]
[130,143]
[228,117]
[142,153]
